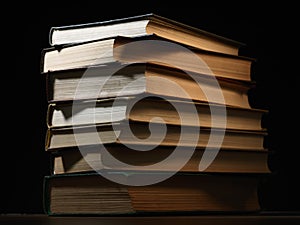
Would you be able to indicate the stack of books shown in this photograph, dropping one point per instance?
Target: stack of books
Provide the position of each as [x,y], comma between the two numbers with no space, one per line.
[150,115]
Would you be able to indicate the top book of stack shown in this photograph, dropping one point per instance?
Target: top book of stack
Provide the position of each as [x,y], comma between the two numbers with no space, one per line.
[141,25]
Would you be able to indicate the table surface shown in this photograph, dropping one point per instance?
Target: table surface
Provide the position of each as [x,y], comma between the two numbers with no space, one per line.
[272,218]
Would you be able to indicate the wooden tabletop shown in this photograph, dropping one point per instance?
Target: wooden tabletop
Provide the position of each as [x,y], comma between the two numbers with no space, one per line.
[265,219]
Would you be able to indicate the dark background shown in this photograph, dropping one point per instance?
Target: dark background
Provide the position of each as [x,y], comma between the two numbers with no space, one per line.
[269,32]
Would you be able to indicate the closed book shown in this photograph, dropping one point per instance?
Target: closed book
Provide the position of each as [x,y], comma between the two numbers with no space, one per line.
[121,157]
[92,194]
[148,48]
[140,108]
[111,80]
[154,134]
[137,25]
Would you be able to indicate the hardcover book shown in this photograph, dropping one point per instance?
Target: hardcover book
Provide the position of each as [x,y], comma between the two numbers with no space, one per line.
[143,25]
[92,194]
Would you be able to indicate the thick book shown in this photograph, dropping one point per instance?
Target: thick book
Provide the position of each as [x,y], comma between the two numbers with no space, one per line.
[149,48]
[92,194]
[143,109]
[110,80]
[154,134]
[141,25]
[95,158]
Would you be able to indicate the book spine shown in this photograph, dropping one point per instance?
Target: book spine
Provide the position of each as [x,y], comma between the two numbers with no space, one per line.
[47,139]
[49,87]
[50,40]
[46,196]
[42,61]
[253,71]
[49,115]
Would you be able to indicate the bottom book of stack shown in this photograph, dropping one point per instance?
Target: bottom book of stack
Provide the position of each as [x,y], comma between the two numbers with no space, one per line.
[93,194]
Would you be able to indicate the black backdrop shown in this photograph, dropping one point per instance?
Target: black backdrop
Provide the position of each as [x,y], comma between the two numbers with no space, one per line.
[268,32]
